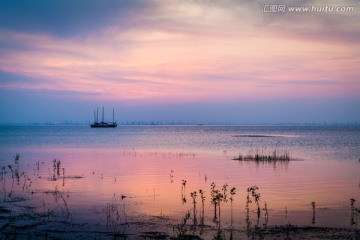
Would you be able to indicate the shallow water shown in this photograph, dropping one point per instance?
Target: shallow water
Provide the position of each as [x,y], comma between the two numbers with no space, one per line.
[141,169]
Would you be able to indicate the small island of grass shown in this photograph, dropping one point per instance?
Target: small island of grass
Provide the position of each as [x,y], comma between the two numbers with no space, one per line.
[276,155]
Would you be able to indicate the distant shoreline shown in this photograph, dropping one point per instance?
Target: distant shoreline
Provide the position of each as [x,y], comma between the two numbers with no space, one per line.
[352,124]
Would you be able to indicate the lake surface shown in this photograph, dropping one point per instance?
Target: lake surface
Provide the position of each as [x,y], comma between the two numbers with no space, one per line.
[85,175]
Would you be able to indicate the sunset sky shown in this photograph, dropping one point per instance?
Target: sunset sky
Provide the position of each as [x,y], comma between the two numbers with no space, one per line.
[195,61]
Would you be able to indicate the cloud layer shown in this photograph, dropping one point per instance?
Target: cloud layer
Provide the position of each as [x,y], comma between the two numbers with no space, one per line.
[184,51]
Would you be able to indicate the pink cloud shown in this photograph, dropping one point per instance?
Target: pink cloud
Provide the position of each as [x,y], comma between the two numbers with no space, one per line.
[190,52]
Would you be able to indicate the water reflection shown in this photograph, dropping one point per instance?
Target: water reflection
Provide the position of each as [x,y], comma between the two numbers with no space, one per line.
[132,183]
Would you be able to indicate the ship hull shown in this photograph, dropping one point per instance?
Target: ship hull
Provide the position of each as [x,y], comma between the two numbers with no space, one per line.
[103,125]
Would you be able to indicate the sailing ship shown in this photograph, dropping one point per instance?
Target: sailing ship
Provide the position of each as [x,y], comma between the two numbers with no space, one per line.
[102,124]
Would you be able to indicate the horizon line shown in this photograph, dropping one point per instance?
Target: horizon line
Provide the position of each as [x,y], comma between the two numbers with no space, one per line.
[180,123]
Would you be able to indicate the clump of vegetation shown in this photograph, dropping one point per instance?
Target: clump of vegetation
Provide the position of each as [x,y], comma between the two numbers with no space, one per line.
[115,216]
[217,197]
[256,197]
[276,155]
[252,191]
[182,228]
[20,178]
[56,169]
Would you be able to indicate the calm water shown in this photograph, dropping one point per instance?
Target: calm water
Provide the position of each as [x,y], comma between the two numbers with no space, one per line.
[147,165]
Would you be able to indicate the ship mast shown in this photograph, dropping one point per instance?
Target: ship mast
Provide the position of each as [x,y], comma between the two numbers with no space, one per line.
[97,114]
[113,116]
[103,115]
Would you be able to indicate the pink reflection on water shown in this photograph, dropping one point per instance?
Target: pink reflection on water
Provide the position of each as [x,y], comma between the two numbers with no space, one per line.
[150,182]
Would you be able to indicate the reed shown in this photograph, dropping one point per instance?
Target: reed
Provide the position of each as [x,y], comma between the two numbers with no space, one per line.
[274,156]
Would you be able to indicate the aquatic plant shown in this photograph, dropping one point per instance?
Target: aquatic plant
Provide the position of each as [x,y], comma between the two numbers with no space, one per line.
[215,198]
[16,176]
[56,169]
[354,212]
[222,197]
[183,183]
[193,196]
[16,158]
[313,216]
[202,195]
[224,189]
[232,193]
[2,179]
[171,176]
[247,220]
[115,216]
[256,197]
[266,215]
[183,195]
[182,228]
[276,155]
[219,235]
[63,170]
